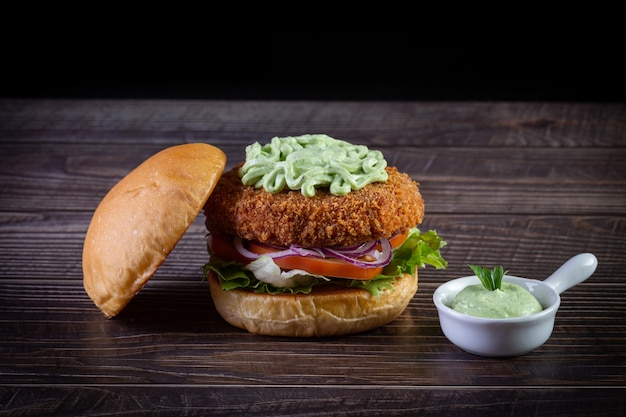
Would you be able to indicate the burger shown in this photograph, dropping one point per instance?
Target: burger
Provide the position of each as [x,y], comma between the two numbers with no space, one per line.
[309,236]
[314,236]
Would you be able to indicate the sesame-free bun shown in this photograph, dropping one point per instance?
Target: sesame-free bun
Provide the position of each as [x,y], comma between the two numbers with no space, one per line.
[142,218]
[326,311]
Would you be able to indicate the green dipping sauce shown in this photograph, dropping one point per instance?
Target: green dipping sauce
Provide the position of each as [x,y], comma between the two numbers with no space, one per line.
[510,301]
[309,162]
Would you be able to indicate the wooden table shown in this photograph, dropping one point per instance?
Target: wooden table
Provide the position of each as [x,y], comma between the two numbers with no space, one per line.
[525,185]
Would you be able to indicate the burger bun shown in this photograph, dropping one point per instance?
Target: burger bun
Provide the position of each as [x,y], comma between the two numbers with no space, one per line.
[142,218]
[326,311]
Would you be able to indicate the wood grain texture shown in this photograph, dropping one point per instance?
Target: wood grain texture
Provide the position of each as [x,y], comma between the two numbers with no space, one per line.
[526,185]
[254,400]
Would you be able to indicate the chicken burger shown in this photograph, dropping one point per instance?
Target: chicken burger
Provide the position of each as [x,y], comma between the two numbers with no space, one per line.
[314,236]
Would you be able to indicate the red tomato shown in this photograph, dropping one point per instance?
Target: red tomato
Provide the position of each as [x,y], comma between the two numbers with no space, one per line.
[223,247]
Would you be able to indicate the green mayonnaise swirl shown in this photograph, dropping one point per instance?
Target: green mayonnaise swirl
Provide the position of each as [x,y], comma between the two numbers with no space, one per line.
[309,162]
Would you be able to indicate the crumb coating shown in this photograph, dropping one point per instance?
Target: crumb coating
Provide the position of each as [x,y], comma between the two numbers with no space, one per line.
[378,210]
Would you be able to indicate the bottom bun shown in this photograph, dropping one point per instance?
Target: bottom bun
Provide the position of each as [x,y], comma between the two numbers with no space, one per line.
[327,311]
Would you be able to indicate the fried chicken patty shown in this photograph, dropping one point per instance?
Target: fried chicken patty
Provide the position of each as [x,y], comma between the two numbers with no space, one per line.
[378,210]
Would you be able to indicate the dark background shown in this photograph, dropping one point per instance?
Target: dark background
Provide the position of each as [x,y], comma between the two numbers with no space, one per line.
[279,67]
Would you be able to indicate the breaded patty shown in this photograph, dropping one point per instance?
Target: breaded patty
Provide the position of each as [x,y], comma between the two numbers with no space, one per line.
[378,210]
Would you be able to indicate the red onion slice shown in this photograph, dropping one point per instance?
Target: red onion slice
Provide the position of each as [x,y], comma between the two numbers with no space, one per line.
[293,250]
[383,258]
[357,251]
[238,243]
[351,256]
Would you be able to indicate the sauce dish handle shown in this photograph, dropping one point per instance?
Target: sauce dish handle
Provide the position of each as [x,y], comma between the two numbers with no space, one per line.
[573,272]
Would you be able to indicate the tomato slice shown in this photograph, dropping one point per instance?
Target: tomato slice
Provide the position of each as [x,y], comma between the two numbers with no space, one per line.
[397,240]
[328,267]
[222,246]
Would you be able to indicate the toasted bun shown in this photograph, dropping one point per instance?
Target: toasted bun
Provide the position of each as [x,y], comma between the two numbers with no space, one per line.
[327,311]
[142,218]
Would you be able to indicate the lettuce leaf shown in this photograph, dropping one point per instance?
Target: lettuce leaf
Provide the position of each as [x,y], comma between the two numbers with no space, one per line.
[233,275]
[417,251]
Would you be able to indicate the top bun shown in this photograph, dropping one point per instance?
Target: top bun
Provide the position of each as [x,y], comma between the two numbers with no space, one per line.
[142,218]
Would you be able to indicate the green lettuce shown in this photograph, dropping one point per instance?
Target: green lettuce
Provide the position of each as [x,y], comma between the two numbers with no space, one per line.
[417,251]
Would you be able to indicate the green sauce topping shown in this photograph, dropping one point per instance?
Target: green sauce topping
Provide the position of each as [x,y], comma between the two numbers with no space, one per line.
[309,162]
[510,301]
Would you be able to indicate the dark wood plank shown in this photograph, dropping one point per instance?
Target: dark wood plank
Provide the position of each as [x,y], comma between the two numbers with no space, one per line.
[470,124]
[70,177]
[298,400]
[171,333]
[50,246]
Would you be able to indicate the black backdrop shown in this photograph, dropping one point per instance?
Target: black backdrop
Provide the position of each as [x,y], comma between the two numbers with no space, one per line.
[348,67]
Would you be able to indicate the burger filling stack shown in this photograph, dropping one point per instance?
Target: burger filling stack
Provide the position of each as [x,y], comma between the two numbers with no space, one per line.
[314,236]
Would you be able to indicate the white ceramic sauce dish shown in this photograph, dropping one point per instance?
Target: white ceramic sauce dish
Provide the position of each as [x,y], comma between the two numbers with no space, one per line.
[499,337]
